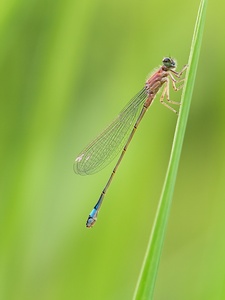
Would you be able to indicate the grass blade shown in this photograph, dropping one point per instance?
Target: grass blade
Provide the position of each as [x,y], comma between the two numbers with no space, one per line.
[147,278]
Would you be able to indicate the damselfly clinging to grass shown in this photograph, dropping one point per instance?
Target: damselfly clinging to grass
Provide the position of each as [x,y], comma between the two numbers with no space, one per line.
[119,133]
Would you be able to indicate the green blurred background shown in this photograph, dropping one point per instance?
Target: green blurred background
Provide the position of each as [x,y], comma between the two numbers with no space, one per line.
[67,69]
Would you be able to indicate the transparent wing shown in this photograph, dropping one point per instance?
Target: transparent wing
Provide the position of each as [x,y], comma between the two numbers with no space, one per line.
[100,152]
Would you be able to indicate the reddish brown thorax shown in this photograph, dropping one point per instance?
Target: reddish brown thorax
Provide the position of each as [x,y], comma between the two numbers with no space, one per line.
[154,83]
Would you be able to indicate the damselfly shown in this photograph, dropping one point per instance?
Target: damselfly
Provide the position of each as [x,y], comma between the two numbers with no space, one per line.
[118,135]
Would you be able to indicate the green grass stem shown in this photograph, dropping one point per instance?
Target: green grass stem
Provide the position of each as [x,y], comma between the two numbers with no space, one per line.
[147,278]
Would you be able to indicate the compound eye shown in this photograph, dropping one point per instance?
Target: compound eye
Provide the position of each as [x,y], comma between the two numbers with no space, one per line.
[167,61]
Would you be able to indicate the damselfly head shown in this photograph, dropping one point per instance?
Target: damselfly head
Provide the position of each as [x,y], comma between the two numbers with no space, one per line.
[169,63]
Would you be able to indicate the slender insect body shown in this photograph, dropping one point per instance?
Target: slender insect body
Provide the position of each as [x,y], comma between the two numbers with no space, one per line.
[118,135]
